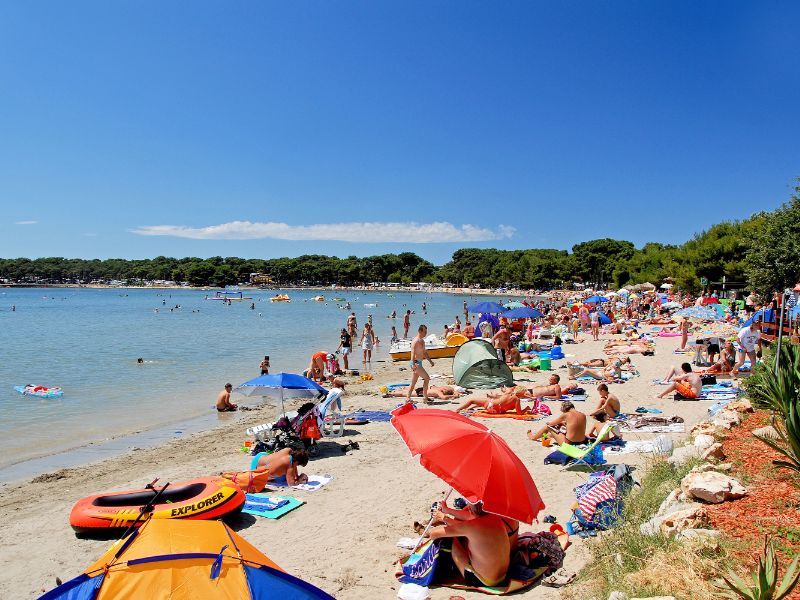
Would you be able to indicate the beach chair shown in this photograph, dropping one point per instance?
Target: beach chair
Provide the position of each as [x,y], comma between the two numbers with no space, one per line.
[331,424]
[578,454]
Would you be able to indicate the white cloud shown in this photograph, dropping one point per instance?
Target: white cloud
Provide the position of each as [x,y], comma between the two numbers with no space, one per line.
[25,222]
[409,233]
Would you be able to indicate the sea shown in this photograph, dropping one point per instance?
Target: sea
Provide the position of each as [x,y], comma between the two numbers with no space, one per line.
[88,341]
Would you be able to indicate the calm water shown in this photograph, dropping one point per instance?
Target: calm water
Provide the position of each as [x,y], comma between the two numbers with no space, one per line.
[86,341]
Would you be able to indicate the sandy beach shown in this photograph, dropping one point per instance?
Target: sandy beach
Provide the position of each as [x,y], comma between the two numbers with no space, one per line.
[344,538]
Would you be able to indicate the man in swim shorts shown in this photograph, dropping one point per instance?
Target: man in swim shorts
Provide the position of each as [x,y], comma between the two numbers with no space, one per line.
[224,400]
[568,428]
[687,385]
[418,353]
[481,544]
[552,391]
[285,462]
[749,338]
[609,403]
[345,345]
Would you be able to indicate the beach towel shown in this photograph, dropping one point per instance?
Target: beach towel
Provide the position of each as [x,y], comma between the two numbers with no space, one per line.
[575,397]
[482,414]
[271,507]
[715,408]
[635,447]
[670,428]
[424,566]
[370,415]
[315,482]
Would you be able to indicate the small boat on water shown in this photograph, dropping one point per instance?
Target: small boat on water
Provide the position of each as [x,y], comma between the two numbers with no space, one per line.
[39,391]
[318,299]
[280,298]
[401,349]
[202,498]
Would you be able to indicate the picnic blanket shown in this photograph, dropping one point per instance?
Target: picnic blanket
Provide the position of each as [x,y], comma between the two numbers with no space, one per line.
[271,507]
[315,482]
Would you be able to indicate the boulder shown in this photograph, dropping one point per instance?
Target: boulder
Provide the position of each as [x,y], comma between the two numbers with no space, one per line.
[714,452]
[618,596]
[727,419]
[694,517]
[656,598]
[682,454]
[741,406]
[697,534]
[712,487]
[768,432]
[703,428]
[704,441]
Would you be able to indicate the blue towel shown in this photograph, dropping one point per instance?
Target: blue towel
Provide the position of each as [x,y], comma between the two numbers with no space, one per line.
[371,415]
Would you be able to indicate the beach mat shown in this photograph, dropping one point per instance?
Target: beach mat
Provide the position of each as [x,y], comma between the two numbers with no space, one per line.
[482,414]
[669,428]
[315,482]
[377,416]
[270,506]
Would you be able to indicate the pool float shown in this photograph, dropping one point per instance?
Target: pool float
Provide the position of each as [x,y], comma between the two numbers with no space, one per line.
[202,498]
[39,391]
[280,298]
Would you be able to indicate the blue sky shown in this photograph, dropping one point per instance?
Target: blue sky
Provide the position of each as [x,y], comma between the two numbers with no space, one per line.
[262,129]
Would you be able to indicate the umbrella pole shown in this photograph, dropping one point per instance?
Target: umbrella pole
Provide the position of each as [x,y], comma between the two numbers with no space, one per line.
[430,522]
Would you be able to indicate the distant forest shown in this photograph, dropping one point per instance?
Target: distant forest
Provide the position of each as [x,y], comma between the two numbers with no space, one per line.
[762,252]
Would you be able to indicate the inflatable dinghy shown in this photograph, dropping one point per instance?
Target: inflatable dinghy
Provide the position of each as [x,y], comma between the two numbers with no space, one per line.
[202,498]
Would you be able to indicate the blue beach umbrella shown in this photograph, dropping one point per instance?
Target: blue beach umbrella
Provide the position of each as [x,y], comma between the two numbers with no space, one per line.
[281,386]
[595,300]
[491,308]
[524,312]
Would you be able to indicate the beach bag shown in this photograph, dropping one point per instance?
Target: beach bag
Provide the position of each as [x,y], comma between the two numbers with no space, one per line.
[540,407]
[578,391]
[420,567]
[249,482]
[535,550]
[708,379]
[309,430]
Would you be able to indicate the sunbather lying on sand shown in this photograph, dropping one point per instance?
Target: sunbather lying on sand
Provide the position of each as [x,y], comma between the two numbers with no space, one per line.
[611,372]
[552,391]
[498,405]
[569,427]
[441,392]
[632,347]
[603,362]
[481,542]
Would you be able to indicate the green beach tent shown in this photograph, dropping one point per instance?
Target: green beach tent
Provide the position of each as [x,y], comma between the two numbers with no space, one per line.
[476,366]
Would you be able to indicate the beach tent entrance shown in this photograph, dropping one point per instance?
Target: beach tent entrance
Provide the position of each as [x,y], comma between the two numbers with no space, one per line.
[476,366]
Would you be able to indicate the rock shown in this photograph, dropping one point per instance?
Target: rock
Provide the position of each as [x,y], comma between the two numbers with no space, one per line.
[656,598]
[727,419]
[741,406]
[671,503]
[704,441]
[683,454]
[714,452]
[618,596]
[768,432]
[694,517]
[694,534]
[703,428]
[712,487]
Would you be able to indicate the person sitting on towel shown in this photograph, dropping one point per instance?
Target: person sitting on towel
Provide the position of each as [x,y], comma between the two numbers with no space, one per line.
[568,428]
[687,385]
[285,462]
[600,419]
[479,543]
[500,404]
[609,403]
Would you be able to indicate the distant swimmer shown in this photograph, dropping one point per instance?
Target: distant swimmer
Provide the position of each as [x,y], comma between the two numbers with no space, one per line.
[224,400]
[265,366]
[140,361]
[252,306]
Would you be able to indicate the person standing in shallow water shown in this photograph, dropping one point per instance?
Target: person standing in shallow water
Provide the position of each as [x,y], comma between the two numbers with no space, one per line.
[406,324]
[418,354]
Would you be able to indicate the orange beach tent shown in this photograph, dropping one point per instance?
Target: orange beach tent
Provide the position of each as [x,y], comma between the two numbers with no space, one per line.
[183,560]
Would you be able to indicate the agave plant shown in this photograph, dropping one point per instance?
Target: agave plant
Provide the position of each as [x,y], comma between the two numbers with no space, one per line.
[780,392]
[765,579]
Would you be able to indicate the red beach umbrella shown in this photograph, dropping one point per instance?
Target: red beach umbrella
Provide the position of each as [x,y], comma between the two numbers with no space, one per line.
[710,300]
[476,462]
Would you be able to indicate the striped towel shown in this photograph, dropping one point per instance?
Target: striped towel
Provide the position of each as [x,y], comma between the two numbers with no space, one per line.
[605,490]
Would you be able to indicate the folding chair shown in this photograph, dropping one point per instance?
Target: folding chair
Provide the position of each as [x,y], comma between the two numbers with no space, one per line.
[579,453]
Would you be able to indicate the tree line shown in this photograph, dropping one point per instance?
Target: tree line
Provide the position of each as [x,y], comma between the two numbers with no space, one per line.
[762,252]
